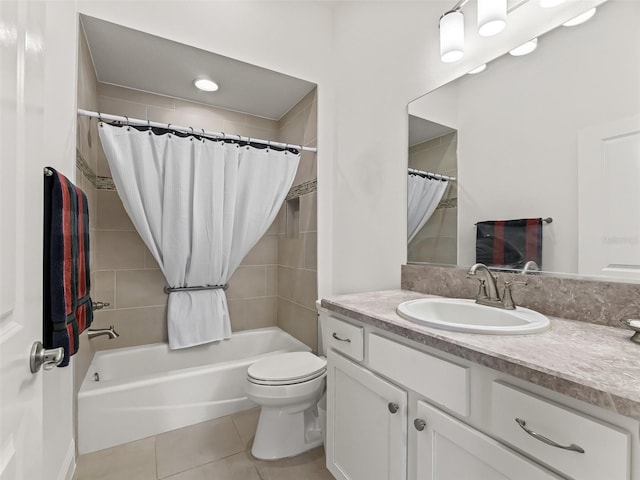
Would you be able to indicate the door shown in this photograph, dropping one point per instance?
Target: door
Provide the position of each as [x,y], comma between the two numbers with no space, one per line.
[21,94]
[447,449]
[609,199]
[366,423]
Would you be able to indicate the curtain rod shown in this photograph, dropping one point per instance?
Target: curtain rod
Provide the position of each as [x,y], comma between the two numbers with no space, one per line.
[195,131]
[431,174]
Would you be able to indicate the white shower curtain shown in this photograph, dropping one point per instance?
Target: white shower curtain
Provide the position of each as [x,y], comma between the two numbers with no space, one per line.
[424,195]
[199,206]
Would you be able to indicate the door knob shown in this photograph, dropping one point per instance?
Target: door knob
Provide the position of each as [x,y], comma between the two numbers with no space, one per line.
[41,356]
[393,407]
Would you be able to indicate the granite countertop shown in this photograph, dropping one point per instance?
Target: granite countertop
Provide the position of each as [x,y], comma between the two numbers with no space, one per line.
[593,363]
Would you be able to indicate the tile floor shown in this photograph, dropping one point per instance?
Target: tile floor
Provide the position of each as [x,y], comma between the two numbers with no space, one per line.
[218,449]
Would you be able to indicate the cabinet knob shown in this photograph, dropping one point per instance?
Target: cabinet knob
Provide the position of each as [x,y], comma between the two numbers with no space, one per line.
[419,424]
[393,407]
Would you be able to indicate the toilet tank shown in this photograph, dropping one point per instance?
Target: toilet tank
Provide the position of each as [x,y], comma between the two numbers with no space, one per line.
[323,330]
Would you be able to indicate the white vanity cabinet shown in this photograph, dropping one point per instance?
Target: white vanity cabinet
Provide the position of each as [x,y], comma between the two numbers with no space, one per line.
[447,449]
[402,411]
[366,423]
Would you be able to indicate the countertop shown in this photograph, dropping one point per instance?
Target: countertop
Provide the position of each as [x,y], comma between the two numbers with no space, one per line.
[593,363]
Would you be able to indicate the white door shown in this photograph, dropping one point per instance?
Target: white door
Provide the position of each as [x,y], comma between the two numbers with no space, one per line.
[366,424]
[447,449]
[609,199]
[21,180]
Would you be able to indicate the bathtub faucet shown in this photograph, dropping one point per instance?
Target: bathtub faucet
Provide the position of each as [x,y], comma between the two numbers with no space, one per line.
[110,332]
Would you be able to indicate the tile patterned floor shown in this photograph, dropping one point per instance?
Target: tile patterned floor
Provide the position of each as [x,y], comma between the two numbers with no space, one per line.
[218,449]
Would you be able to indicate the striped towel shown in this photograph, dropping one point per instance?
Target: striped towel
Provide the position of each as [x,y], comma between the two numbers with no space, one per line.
[509,243]
[67,305]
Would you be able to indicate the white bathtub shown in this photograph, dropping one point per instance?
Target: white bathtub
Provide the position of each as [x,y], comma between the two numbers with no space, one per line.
[147,390]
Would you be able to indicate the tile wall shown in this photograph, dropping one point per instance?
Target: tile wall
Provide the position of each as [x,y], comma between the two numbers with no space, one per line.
[437,240]
[275,284]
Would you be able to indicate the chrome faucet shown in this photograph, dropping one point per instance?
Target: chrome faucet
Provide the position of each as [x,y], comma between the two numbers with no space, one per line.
[110,332]
[488,293]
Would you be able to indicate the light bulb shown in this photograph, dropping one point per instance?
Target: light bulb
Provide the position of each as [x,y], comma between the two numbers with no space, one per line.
[452,36]
[525,48]
[583,17]
[492,17]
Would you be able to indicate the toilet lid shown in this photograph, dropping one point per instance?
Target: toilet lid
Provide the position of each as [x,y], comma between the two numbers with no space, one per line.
[294,367]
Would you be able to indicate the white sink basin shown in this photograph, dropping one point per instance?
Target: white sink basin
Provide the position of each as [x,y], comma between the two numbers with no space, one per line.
[462,315]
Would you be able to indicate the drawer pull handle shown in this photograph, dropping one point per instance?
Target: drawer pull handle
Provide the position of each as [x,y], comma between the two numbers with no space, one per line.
[419,424]
[335,335]
[573,447]
[393,407]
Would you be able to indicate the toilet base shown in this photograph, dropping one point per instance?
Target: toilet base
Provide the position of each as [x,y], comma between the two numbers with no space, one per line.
[281,434]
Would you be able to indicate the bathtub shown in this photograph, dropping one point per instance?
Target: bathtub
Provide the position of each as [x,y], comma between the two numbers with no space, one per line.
[132,393]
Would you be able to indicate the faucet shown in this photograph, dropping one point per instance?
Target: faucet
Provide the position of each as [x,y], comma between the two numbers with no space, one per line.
[110,332]
[488,293]
[529,267]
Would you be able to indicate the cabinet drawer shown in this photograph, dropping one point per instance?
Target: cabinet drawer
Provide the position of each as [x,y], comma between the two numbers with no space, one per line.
[606,448]
[440,381]
[346,338]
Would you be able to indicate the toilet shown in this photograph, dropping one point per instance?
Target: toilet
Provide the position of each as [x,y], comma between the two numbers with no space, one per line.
[287,387]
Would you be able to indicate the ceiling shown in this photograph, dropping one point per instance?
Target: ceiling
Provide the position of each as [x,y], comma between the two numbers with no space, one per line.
[421,130]
[134,59]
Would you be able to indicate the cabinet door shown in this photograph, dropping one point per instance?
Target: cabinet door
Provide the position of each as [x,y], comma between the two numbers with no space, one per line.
[447,449]
[366,424]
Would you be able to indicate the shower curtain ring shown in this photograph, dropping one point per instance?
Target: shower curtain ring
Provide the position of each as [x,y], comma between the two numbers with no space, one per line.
[248,142]
[128,126]
[286,148]
[100,118]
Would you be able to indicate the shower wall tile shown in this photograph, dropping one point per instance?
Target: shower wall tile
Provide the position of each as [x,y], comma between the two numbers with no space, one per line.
[118,250]
[200,110]
[290,251]
[285,282]
[248,282]
[111,213]
[299,321]
[104,288]
[272,280]
[103,169]
[307,168]
[247,130]
[140,288]
[308,209]
[116,106]
[310,250]
[261,312]
[136,96]
[149,261]
[265,252]
[136,326]
[185,118]
[311,128]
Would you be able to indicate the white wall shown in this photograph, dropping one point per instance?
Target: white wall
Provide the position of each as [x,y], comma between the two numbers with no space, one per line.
[60,138]
[518,125]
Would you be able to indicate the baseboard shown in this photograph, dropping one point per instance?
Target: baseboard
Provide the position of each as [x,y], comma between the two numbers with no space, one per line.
[68,468]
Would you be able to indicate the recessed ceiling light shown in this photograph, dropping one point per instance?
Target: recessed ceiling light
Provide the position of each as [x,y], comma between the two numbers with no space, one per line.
[205,84]
[583,17]
[479,69]
[550,3]
[525,48]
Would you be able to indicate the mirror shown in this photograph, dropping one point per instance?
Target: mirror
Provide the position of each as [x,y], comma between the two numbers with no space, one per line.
[553,134]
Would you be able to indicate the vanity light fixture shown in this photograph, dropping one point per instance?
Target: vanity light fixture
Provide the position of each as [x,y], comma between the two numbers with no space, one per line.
[492,17]
[452,36]
[479,69]
[551,3]
[525,48]
[583,17]
[205,84]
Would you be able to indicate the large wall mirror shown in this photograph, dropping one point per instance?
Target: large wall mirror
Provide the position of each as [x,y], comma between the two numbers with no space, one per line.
[552,135]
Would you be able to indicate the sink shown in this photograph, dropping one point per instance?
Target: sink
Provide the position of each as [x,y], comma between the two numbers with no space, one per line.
[461,315]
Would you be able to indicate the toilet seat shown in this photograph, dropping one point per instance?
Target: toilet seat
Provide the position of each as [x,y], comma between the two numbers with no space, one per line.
[287,369]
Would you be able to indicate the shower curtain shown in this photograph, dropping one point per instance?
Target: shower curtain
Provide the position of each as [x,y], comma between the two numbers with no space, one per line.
[199,206]
[424,195]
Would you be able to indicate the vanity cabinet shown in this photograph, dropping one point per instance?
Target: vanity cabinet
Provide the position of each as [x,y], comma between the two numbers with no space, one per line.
[399,412]
[366,423]
[448,449]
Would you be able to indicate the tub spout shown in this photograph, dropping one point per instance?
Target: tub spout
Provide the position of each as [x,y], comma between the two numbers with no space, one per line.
[110,332]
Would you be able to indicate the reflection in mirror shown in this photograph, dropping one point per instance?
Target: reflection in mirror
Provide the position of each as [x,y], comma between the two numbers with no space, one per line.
[432,223]
[553,134]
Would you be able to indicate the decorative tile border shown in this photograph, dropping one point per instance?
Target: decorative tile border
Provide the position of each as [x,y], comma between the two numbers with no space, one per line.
[105,183]
[302,189]
[83,166]
[599,302]
[448,203]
